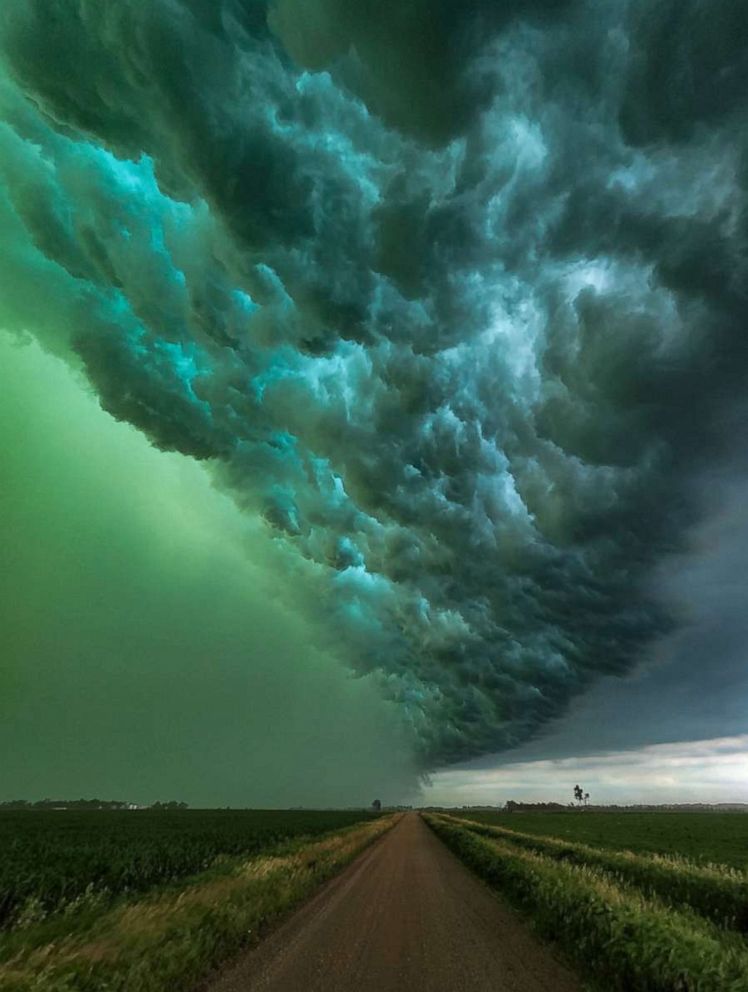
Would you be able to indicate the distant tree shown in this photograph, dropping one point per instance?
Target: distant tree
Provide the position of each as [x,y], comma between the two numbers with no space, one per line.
[376,805]
[586,798]
[578,794]
[512,807]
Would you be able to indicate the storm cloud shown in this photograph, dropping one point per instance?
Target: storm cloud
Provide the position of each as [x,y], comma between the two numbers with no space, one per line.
[451,294]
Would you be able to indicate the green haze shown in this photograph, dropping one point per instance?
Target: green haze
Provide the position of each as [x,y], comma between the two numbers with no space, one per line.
[149,651]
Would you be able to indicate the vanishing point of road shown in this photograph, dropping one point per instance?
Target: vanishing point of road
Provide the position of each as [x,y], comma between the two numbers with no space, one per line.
[406,916]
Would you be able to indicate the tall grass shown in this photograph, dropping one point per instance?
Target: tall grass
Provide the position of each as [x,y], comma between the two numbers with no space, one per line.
[716,892]
[616,936]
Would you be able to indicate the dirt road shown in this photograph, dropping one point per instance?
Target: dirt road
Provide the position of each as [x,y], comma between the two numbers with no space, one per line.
[407,916]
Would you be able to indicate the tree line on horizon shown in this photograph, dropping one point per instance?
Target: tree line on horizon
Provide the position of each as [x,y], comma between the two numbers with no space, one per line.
[14,804]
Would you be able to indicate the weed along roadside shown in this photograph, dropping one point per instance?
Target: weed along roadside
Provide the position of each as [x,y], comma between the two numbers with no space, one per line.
[614,932]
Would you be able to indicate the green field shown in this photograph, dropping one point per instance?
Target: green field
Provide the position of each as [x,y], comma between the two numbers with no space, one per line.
[154,901]
[629,919]
[55,861]
[717,838]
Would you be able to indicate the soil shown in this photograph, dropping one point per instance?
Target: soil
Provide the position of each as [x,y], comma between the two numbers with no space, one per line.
[406,916]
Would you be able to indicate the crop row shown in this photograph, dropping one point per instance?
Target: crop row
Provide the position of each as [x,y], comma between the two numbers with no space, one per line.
[174,937]
[703,838]
[717,893]
[56,861]
[615,935]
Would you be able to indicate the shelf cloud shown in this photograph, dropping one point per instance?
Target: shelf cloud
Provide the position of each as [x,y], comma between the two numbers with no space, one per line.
[452,295]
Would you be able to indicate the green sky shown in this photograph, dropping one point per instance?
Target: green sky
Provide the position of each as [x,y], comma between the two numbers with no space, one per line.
[147,647]
[447,301]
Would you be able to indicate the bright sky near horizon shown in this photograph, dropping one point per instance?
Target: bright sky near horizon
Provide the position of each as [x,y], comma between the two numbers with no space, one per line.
[713,771]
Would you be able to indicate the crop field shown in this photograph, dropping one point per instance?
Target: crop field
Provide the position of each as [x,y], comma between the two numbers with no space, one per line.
[706,838]
[633,919]
[60,861]
[156,900]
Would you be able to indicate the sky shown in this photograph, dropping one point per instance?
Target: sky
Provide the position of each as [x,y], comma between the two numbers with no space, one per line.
[373,394]
[151,649]
[713,771]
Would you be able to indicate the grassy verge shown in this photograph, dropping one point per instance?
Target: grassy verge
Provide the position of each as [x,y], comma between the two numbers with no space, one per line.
[617,937]
[175,936]
[715,892]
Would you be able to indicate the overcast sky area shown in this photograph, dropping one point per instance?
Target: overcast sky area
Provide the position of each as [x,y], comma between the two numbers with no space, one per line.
[373,400]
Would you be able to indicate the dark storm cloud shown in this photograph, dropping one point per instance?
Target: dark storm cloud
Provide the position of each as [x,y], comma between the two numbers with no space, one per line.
[411,63]
[693,682]
[689,68]
[453,295]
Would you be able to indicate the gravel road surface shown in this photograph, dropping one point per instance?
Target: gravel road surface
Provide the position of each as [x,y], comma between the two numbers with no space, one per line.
[406,916]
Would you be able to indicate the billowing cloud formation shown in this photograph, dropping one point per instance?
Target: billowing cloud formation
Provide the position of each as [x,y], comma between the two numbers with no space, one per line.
[451,294]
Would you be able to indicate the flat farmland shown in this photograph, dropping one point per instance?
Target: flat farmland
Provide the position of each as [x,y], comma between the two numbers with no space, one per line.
[647,919]
[154,900]
[158,900]
[705,838]
[66,860]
